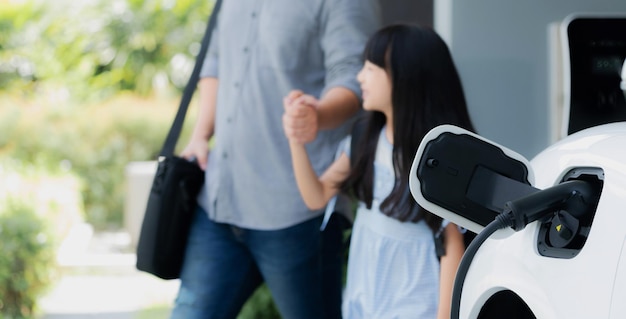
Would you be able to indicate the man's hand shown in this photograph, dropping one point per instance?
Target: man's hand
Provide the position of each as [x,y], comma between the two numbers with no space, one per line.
[198,149]
[300,120]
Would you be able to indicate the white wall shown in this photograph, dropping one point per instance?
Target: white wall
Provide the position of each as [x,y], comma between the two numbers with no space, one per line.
[501,50]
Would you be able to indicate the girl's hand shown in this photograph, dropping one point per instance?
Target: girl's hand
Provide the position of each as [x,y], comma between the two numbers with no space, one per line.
[198,149]
[300,120]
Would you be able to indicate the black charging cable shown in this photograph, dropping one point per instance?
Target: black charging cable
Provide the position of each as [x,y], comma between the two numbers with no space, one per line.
[574,196]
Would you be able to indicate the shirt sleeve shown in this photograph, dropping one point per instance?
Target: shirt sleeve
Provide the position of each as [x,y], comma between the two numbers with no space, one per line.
[344,147]
[346,27]
[209,65]
[339,203]
[445,223]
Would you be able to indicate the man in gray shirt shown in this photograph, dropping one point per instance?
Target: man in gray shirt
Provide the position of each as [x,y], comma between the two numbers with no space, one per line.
[252,225]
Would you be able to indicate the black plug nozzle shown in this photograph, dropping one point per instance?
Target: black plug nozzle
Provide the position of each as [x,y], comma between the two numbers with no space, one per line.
[573,196]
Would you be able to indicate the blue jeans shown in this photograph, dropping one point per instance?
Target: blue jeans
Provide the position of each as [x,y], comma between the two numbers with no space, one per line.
[224,264]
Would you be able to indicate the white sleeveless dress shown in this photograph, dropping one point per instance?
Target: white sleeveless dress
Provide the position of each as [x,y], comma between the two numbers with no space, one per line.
[393,270]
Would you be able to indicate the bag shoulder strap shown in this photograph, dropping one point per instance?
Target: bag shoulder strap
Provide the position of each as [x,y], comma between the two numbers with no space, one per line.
[174,132]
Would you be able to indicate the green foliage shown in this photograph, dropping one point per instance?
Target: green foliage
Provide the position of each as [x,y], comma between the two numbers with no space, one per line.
[94,143]
[64,58]
[27,259]
[14,66]
[90,50]
[260,306]
[62,54]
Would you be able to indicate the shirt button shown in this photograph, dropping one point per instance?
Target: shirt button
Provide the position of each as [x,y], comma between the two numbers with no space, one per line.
[236,84]
[229,119]
[245,49]
[225,155]
[254,14]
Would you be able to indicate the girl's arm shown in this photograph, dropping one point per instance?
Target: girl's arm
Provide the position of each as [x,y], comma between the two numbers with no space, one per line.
[455,247]
[316,191]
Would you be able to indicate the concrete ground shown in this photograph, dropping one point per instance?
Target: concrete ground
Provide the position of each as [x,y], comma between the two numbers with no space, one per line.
[98,280]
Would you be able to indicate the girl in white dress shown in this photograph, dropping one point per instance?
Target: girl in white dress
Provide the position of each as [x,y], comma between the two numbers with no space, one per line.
[409,85]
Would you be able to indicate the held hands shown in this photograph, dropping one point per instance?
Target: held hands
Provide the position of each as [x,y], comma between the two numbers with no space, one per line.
[300,120]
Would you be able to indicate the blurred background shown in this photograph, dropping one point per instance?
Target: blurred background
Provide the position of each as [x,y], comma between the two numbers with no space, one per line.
[88,91]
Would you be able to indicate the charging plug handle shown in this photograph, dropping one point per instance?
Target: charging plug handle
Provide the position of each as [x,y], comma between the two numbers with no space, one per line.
[574,196]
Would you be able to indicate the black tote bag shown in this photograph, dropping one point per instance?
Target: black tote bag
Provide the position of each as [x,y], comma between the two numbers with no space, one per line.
[172,199]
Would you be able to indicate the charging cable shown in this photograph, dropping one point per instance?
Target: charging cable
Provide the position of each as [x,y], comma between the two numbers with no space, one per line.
[573,196]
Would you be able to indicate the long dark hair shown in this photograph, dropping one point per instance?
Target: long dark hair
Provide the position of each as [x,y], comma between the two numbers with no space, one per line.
[426,92]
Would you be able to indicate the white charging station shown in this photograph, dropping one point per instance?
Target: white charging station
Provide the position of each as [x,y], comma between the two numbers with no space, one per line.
[551,239]
[587,76]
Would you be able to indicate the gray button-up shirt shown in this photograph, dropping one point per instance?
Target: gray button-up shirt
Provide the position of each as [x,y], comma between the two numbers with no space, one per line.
[261,50]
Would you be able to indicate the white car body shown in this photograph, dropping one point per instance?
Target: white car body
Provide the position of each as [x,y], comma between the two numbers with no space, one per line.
[509,269]
[592,284]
